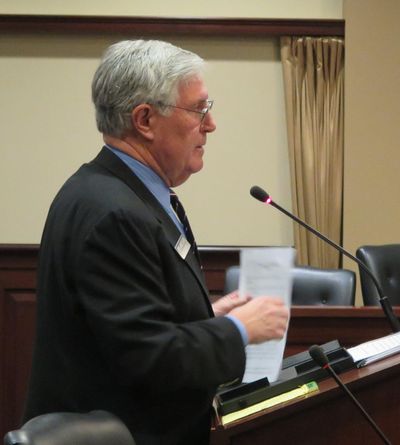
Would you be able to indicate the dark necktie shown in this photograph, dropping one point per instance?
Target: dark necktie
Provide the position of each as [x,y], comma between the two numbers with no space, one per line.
[180,212]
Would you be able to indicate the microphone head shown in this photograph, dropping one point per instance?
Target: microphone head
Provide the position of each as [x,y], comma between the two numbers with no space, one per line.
[259,193]
[318,355]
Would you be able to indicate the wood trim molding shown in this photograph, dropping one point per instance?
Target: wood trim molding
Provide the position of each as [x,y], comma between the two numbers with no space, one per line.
[230,27]
[20,258]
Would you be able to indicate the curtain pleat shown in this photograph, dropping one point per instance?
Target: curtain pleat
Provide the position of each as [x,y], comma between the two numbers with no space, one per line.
[313,71]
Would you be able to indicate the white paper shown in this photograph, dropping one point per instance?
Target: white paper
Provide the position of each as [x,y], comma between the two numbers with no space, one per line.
[266,271]
[374,350]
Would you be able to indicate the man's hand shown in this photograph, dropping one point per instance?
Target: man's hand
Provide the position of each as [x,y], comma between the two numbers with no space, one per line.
[265,318]
[225,304]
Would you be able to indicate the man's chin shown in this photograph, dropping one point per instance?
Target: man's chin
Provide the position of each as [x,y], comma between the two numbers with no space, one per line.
[198,165]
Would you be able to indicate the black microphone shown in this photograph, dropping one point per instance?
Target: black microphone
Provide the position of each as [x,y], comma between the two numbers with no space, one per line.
[319,356]
[261,195]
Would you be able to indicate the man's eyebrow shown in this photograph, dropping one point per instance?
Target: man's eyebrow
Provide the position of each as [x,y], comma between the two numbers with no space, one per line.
[201,102]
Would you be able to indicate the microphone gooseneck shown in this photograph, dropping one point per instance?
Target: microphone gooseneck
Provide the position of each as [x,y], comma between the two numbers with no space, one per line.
[261,195]
[319,356]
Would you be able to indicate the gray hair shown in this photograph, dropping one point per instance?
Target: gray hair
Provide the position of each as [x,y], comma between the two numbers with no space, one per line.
[133,72]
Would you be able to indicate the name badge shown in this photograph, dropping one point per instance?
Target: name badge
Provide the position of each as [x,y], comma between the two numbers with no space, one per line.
[182,246]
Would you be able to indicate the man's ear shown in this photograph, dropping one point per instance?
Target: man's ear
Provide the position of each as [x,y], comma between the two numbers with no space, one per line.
[141,117]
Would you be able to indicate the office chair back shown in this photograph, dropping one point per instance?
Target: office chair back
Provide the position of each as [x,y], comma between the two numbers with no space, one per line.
[231,279]
[330,287]
[384,263]
[311,286]
[93,428]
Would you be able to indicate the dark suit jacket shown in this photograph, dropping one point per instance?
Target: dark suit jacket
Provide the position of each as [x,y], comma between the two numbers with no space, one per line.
[124,323]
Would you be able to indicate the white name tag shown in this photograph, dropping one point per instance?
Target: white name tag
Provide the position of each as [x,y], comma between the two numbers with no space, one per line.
[182,246]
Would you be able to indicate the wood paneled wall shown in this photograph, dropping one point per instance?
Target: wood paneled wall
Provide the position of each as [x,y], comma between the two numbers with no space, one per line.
[17,325]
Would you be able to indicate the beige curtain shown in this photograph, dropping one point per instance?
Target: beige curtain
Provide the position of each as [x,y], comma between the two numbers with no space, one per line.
[313,70]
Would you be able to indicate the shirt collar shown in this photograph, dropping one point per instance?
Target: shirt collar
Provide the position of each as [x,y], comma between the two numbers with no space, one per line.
[148,176]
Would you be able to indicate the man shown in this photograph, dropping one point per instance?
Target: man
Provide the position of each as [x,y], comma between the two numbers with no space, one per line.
[124,321]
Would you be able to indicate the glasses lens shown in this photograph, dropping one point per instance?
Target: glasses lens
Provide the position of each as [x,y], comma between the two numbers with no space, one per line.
[205,110]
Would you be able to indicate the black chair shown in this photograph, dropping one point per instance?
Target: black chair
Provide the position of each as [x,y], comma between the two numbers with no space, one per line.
[311,286]
[384,263]
[93,428]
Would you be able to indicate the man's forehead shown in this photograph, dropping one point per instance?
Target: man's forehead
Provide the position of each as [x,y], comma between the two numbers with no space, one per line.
[193,89]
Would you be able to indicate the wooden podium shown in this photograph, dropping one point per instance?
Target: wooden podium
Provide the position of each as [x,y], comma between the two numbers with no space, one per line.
[327,416]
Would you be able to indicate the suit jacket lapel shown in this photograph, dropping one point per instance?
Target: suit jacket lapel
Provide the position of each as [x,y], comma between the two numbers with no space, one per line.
[113,164]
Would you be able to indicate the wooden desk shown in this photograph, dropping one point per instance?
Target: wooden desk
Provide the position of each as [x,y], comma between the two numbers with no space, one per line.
[327,417]
[350,325]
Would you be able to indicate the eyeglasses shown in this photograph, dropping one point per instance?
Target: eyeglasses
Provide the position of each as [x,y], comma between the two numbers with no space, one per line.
[202,112]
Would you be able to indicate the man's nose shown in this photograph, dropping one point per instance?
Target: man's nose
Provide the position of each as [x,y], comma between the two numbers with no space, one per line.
[208,125]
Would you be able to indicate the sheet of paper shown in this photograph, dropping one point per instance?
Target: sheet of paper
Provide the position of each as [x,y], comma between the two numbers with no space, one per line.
[379,347]
[266,271]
